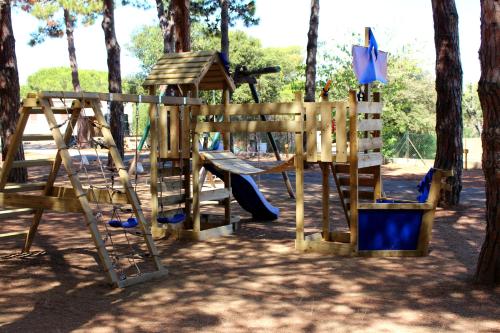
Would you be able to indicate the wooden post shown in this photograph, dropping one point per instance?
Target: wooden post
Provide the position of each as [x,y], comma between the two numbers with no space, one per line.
[353,168]
[299,177]
[185,155]
[156,231]
[377,175]
[325,173]
[196,182]
[227,175]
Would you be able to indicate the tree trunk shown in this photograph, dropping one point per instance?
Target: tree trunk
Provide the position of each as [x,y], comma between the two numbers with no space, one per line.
[449,128]
[167,26]
[9,91]
[114,74]
[312,46]
[488,267]
[224,27]
[180,10]
[82,125]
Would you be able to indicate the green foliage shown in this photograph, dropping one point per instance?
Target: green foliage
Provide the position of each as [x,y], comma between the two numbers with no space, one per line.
[50,14]
[208,12]
[471,111]
[59,78]
[146,45]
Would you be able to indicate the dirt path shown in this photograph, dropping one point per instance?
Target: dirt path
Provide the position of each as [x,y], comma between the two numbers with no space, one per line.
[254,281]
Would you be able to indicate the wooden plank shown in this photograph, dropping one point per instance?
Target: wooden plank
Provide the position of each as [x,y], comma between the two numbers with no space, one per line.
[37,137]
[250,109]
[165,81]
[174,199]
[311,124]
[162,123]
[175,76]
[299,188]
[341,133]
[185,146]
[369,159]
[14,212]
[324,247]
[353,168]
[55,111]
[32,163]
[188,55]
[395,206]
[215,195]
[192,65]
[93,195]
[14,187]
[366,125]
[250,126]
[174,132]
[144,277]
[370,107]
[207,234]
[369,143]
[40,201]
[362,181]
[326,132]
[362,194]
[14,234]
[131,98]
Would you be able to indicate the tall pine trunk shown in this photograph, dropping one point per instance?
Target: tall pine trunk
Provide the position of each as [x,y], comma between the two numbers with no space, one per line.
[167,26]
[83,127]
[182,25]
[9,91]
[488,267]
[449,128]
[114,74]
[224,27]
[312,47]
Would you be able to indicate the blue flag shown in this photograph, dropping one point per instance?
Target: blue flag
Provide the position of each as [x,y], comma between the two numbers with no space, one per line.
[369,63]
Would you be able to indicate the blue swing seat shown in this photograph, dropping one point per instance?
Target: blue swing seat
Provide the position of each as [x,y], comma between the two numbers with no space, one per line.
[177,218]
[130,223]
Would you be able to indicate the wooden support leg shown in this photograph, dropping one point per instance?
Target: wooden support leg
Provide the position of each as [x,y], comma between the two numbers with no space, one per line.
[227,201]
[129,191]
[75,113]
[299,189]
[196,184]
[80,194]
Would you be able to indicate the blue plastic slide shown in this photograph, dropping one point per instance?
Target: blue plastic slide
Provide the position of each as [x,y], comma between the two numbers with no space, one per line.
[246,192]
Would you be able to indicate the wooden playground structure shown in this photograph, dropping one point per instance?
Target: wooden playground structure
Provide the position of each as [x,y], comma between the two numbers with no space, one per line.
[376,226]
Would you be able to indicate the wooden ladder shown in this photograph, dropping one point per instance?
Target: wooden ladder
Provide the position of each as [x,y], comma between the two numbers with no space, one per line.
[78,200]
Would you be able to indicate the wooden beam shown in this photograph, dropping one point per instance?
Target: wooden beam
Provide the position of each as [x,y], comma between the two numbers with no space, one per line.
[40,202]
[250,109]
[130,98]
[250,126]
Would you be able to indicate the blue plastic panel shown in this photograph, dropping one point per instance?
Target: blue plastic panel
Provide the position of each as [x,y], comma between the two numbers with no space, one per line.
[384,229]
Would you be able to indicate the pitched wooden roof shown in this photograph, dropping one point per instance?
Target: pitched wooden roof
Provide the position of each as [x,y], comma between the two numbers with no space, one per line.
[203,69]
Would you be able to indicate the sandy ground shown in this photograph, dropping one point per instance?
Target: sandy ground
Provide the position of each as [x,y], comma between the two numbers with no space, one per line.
[254,280]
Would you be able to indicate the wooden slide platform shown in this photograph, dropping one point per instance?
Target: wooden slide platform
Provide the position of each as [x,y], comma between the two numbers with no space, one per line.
[227,161]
